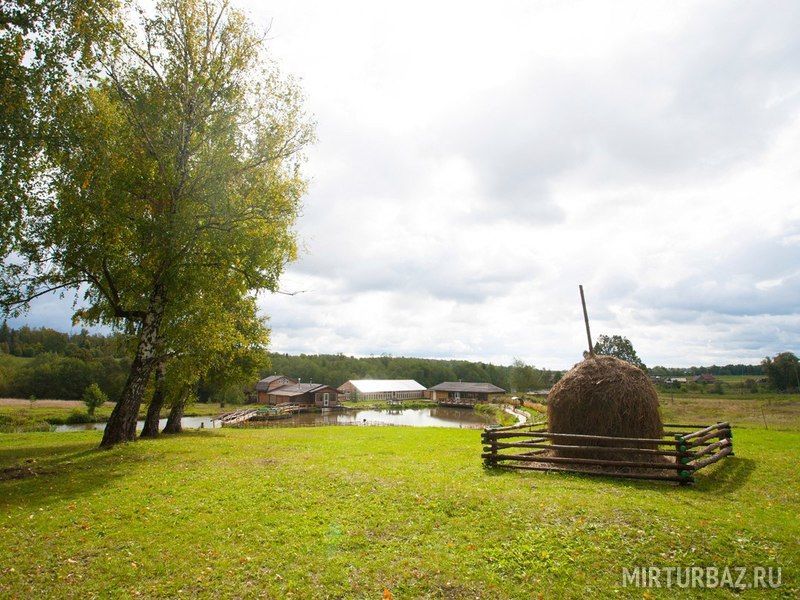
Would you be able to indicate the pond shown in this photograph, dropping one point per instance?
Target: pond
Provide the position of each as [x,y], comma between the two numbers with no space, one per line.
[439,416]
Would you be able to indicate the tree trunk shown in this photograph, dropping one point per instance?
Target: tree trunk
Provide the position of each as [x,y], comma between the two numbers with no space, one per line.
[150,429]
[121,426]
[175,415]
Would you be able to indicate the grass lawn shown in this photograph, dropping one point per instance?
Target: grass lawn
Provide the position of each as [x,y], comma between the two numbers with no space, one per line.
[344,512]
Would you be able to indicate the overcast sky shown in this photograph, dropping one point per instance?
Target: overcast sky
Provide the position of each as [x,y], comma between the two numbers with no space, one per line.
[478,160]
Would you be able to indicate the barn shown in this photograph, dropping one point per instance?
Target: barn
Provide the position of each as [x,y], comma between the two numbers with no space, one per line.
[464,393]
[381,389]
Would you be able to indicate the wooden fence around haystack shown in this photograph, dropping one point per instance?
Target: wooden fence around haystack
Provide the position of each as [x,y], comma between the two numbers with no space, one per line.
[682,452]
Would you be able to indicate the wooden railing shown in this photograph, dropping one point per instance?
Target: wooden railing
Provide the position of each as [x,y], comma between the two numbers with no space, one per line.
[682,452]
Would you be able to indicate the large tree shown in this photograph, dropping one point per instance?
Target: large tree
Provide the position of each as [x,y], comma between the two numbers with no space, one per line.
[619,346]
[218,338]
[180,177]
[525,377]
[783,372]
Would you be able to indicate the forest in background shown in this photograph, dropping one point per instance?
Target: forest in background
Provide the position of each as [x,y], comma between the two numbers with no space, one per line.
[53,364]
[335,369]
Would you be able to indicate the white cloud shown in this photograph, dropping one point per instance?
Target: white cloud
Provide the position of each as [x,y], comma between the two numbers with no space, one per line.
[476,161]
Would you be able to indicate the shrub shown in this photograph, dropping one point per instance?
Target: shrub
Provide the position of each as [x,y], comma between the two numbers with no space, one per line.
[21,423]
[76,417]
[495,412]
[93,397]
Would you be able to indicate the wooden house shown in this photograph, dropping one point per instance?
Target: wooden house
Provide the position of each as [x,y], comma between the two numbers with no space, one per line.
[306,394]
[462,393]
[266,385]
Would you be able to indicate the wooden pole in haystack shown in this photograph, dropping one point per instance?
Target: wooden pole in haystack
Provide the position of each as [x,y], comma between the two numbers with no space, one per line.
[586,320]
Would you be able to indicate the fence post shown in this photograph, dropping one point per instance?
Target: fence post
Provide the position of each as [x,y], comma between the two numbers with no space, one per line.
[488,438]
[727,433]
[683,458]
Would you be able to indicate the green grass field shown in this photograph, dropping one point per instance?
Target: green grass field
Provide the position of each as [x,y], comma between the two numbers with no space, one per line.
[346,512]
[779,412]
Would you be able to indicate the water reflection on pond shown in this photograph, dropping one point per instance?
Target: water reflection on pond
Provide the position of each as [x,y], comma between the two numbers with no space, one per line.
[415,417]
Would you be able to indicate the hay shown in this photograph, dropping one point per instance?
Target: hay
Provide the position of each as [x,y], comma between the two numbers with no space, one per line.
[605,396]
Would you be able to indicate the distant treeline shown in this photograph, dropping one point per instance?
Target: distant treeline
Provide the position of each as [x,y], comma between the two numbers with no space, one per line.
[28,342]
[61,365]
[335,369]
[753,370]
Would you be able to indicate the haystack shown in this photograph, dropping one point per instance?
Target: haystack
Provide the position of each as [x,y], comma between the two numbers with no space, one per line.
[604,396]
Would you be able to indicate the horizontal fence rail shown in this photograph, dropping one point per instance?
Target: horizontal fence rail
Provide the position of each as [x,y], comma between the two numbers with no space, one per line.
[675,457]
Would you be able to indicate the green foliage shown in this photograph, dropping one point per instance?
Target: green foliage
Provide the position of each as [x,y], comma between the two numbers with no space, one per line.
[20,422]
[172,189]
[142,213]
[335,369]
[62,377]
[78,417]
[29,342]
[526,378]
[230,394]
[43,44]
[731,369]
[619,346]
[93,397]
[783,372]
[496,412]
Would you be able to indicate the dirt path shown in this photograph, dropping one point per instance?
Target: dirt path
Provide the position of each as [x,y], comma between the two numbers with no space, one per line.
[518,414]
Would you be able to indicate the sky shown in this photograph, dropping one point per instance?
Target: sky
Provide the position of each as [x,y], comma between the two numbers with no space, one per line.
[476,161]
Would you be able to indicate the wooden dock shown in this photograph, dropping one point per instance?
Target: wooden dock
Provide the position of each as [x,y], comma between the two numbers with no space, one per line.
[266,413]
[238,416]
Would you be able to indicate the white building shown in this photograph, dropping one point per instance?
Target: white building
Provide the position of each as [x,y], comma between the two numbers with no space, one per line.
[382,389]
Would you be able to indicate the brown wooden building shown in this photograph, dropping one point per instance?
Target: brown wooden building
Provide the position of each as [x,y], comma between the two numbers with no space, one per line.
[462,393]
[273,382]
[308,394]
[279,389]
